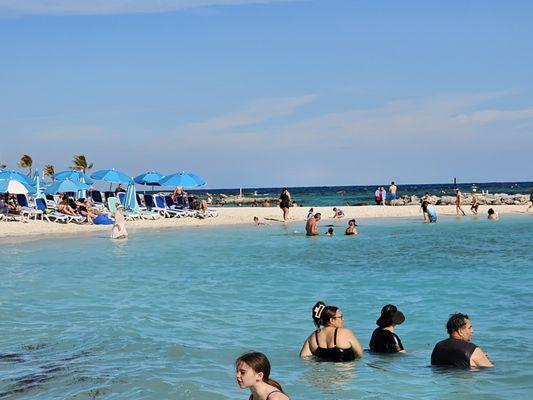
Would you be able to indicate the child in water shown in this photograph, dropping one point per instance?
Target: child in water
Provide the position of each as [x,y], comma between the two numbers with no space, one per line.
[330,232]
[260,221]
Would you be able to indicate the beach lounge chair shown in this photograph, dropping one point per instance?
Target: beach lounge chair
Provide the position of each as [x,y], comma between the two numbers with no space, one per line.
[151,206]
[143,214]
[28,210]
[108,194]
[129,215]
[51,215]
[96,199]
[167,212]
[186,212]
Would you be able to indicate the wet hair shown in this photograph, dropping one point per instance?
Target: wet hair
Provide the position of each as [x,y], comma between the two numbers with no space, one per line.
[330,231]
[258,362]
[317,215]
[321,313]
[256,218]
[491,211]
[456,322]
[351,221]
[392,183]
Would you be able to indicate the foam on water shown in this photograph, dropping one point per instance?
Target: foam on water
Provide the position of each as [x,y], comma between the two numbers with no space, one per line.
[165,314]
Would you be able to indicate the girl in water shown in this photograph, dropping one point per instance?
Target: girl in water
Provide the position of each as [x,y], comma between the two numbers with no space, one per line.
[333,342]
[252,371]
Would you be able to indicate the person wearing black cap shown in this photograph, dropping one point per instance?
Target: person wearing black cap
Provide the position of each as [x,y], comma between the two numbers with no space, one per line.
[384,340]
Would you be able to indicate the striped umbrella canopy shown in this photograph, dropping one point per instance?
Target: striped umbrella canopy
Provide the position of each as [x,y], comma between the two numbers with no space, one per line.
[130,202]
[185,179]
[66,185]
[17,176]
[14,186]
[74,175]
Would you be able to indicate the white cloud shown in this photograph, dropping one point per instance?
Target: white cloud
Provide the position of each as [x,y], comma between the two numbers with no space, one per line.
[102,7]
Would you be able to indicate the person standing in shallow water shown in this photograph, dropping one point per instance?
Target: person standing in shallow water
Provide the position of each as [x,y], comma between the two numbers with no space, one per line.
[311,227]
[458,351]
[334,342]
[285,203]
[384,340]
[119,228]
[252,371]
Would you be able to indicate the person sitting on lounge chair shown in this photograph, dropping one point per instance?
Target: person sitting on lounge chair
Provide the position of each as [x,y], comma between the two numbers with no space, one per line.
[64,207]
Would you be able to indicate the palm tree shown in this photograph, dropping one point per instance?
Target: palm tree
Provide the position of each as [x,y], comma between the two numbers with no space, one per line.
[49,170]
[80,163]
[26,162]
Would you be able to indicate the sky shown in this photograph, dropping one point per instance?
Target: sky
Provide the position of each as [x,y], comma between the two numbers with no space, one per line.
[271,93]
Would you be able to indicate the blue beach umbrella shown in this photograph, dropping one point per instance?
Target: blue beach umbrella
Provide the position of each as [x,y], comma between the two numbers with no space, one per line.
[185,179]
[112,176]
[66,185]
[130,202]
[14,186]
[151,178]
[17,176]
[73,175]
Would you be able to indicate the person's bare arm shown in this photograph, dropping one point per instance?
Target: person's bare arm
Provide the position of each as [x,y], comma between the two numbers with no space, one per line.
[356,346]
[480,359]
[306,349]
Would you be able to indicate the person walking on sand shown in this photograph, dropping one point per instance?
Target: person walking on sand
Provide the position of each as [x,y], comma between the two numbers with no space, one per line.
[458,351]
[475,202]
[458,200]
[285,203]
[119,228]
[392,190]
[311,227]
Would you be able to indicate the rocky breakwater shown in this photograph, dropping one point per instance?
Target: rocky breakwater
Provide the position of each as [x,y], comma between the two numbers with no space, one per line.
[496,199]
[222,199]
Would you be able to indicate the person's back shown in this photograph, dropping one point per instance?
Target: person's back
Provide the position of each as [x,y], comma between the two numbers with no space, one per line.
[458,351]
[453,352]
[311,227]
[385,341]
[333,344]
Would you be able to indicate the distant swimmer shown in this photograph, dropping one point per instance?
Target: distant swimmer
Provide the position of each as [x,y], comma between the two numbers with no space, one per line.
[457,351]
[260,221]
[337,213]
[492,215]
[311,227]
[458,200]
[332,342]
[285,203]
[384,340]
[119,228]
[330,232]
[393,196]
[351,230]
[475,202]
[252,371]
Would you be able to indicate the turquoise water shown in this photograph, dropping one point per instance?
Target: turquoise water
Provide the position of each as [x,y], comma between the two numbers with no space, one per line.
[164,314]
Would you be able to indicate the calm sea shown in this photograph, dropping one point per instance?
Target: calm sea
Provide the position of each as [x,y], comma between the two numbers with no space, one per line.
[342,195]
[164,314]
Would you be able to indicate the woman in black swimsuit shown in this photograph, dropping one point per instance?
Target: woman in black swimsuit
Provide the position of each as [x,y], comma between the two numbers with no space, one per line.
[384,340]
[333,342]
[252,370]
[285,203]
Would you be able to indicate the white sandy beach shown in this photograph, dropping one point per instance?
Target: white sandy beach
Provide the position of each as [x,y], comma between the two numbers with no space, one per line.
[235,216]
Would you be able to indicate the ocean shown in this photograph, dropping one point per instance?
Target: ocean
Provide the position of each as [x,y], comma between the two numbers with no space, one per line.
[342,195]
[164,314]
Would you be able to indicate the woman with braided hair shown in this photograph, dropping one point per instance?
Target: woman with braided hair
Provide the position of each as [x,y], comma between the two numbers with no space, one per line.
[331,341]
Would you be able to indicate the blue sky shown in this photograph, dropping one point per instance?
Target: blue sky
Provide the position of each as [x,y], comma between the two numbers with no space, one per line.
[272,93]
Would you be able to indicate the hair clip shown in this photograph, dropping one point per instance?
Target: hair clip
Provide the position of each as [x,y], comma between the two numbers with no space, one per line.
[318,310]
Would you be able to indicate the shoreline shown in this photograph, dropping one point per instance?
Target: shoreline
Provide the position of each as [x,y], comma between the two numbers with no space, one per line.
[36,230]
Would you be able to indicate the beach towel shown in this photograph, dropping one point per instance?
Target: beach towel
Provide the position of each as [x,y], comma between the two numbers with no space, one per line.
[103,220]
